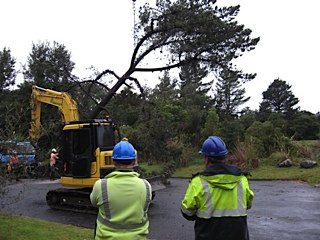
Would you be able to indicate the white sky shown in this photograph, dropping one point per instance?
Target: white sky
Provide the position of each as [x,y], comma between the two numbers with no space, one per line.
[99,33]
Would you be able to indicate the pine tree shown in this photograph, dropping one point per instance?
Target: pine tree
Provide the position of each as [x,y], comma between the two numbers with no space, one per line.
[278,98]
[49,66]
[194,100]
[230,94]
[7,69]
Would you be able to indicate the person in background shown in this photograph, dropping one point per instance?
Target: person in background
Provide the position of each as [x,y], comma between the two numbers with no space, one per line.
[54,156]
[122,198]
[217,199]
[14,160]
[13,166]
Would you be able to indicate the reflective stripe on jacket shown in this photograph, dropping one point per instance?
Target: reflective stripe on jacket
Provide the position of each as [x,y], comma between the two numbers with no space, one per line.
[123,200]
[221,195]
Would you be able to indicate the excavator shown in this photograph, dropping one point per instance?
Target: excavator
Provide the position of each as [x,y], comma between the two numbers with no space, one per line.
[86,151]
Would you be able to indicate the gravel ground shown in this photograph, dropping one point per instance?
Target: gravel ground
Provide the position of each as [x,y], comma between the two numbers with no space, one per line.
[283,210]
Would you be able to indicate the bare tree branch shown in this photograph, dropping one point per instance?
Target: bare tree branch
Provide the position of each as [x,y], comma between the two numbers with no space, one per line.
[106,72]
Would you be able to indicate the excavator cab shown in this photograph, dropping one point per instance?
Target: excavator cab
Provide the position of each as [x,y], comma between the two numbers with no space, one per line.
[80,142]
[87,150]
[86,157]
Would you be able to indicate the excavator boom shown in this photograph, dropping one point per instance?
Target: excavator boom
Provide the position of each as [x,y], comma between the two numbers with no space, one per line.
[66,105]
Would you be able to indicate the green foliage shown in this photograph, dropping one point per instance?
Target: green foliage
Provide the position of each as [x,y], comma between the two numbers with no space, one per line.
[278,98]
[211,126]
[49,66]
[305,126]
[194,31]
[277,157]
[166,90]
[194,100]
[263,137]
[7,69]
[307,149]
[14,116]
[239,158]
[181,152]
[278,120]
[230,93]
[231,132]
[248,118]
[196,34]
[243,156]
[125,107]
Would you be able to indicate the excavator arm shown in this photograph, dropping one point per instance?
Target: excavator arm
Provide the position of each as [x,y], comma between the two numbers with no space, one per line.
[66,105]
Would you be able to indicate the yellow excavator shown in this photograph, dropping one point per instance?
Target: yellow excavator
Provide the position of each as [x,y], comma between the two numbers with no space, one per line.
[86,150]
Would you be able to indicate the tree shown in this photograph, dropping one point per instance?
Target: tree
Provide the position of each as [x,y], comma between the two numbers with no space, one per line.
[230,93]
[278,120]
[125,107]
[232,132]
[248,117]
[49,66]
[166,89]
[212,125]
[263,137]
[7,69]
[161,116]
[193,98]
[278,98]
[192,88]
[12,118]
[305,126]
[182,32]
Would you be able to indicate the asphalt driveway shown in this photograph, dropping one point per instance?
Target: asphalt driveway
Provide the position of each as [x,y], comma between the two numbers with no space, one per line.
[283,210]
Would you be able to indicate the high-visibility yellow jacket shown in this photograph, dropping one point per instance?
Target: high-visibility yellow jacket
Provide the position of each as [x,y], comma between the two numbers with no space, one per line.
[123,200]
[220,196]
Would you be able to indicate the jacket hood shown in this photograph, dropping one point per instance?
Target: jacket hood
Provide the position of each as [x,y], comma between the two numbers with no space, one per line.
[122,173]
[221,175]
[221,168]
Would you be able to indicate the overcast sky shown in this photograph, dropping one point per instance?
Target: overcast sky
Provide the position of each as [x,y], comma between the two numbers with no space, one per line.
[99,33]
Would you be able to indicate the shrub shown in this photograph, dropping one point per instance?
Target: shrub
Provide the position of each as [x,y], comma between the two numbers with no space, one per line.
[244,157]
[238,158]
[308,149]
[277,157]
[180,152]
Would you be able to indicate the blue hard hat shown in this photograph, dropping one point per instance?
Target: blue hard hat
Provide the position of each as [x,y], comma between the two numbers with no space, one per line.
[123,151]
[214,147]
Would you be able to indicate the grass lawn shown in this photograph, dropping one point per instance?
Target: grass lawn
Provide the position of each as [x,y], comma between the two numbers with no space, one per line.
[25,228]
[266,172]
[153,169]
[188,171]
[312,176]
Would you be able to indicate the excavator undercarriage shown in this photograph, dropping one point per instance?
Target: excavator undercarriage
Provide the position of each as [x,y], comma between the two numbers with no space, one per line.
[76,200]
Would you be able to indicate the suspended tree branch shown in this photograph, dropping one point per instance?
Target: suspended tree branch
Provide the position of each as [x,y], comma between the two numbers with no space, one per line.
[189,31]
